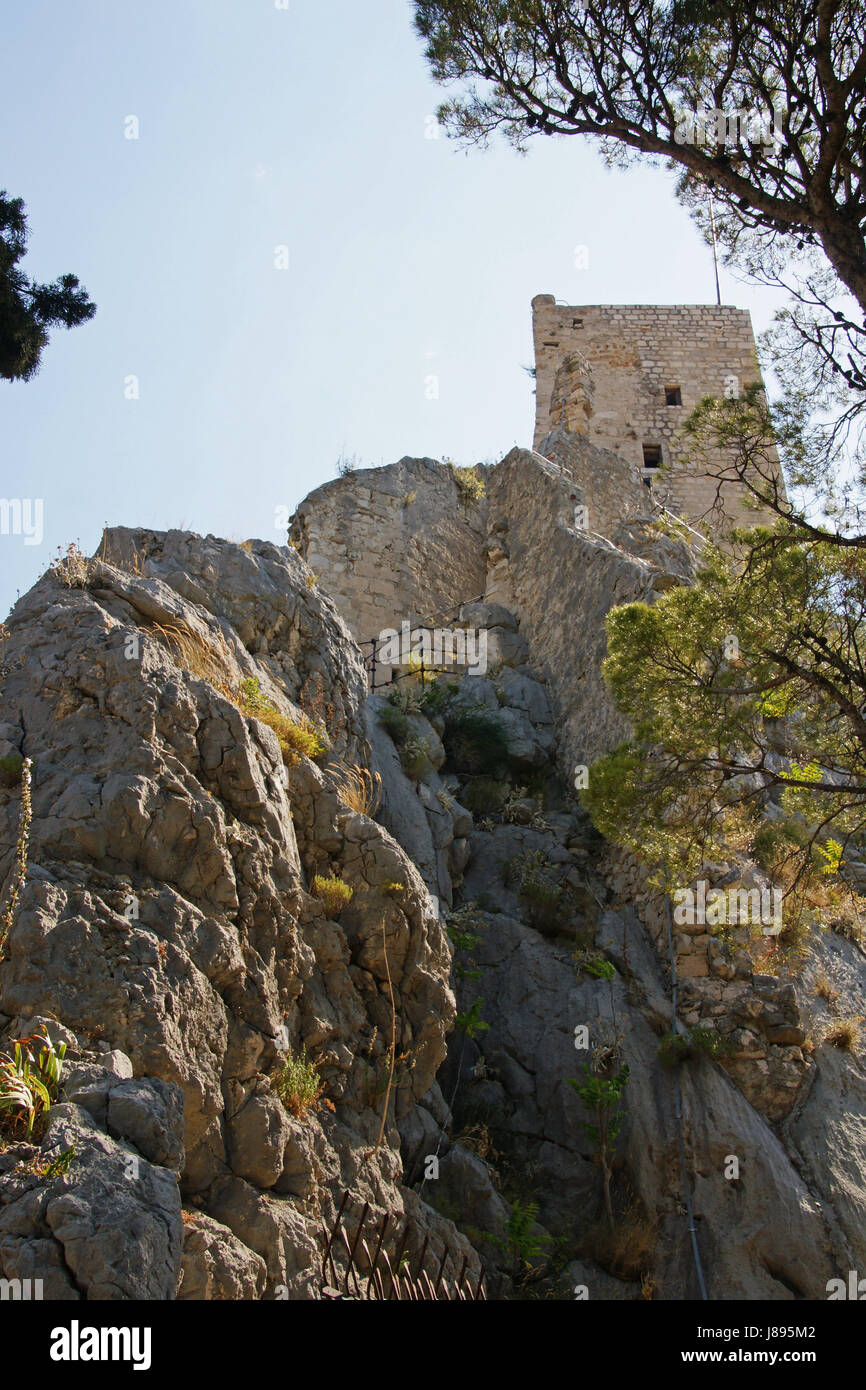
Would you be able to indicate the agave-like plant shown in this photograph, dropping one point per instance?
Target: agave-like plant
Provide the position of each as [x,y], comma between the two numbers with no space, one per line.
[30,1079]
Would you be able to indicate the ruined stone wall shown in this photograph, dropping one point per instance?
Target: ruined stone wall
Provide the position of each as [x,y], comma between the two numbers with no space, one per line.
[635,352]
[613,489]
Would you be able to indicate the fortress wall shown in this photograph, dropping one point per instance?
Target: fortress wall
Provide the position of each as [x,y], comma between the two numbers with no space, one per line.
[634,352]
[613,489]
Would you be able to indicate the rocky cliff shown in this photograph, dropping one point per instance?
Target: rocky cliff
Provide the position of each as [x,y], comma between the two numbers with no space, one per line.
[240,871]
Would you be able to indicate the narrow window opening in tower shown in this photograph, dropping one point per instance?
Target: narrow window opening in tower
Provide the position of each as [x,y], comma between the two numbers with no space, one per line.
[577,323]
[673,395]
[652,455]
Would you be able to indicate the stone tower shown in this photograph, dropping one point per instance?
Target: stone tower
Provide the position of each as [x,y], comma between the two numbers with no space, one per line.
[626,377]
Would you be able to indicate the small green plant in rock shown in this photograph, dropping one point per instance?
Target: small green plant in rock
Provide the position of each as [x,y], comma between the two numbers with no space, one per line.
[483,795]
[396,724]
[594,963]
[463,928]
[332,891]
[29,1080]
[471,1023]
[602,1095]
[294,737]
[41,1167]
[674,1048]
[406,695]
[415,758]
[531,876]
[520,1243]
[470,485]
[475,741]
[435,697]
[298,1084]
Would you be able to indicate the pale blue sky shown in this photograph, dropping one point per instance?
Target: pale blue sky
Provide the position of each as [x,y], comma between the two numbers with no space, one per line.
[260,128]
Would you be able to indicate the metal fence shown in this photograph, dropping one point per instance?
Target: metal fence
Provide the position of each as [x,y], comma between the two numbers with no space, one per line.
[356,1265]
[371,657]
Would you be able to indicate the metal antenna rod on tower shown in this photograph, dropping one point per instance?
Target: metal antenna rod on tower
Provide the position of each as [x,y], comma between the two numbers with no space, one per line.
[715,250]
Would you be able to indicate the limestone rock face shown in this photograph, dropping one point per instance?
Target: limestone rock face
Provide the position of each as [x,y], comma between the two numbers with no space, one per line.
[169,933]
[216,1265]
[243,872]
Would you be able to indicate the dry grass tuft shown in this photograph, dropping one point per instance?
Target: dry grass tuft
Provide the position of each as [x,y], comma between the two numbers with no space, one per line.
[845,1034]
[824,989]
[210,661]
[357,788]
[628,1251]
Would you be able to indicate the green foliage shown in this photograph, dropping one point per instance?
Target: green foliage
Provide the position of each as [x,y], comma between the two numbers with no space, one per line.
[831,855]
[775,616]
[675,1048]
[28,309]
[602,1096]
[294,737]
[470,485]
[58,1167]
[10,770]
[298,1083]
[520,1242]
[599,968]
[464,927]
[776,839]
[542,899]
[405,695]
[395,722]
[332,891]
[471,1023]
[251,697]
[483,795]
[435,696]
[475,741]
[533,877]
[415,758]
[29,1080]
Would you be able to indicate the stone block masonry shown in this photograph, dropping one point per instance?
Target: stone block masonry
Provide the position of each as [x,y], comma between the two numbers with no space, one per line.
[627,376]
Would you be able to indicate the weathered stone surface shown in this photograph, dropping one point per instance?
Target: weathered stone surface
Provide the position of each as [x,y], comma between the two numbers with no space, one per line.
[275,1230]
[216,1265]
[258,1135]
[116,1217]
[171,859]
[150,1115]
